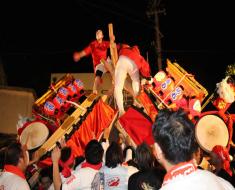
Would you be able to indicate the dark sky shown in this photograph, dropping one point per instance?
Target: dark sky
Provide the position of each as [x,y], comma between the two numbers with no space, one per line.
[39,37]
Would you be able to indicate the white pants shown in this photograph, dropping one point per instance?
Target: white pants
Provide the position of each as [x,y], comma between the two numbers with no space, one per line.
[125,66]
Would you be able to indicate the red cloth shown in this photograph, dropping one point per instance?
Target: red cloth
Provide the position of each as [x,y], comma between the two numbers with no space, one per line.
[134,54]
[99,118]
[138,127]
[66,172]
[223,154]
[221,105]
[148,105]
[97,50]
[95,167]
[15,170]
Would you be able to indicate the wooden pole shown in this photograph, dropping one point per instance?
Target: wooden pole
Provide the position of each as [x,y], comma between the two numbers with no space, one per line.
[113,47]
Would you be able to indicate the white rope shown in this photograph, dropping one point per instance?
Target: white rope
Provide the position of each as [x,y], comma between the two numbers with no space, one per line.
[76,105]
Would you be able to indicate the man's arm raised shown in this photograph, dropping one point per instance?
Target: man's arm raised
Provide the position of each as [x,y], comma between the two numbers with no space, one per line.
[78,55]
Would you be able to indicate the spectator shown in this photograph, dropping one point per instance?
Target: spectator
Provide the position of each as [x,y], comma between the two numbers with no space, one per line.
[175,146]
[15,163]
[113,175]
[45,178]
[83,177]
[66,165]
[148,175]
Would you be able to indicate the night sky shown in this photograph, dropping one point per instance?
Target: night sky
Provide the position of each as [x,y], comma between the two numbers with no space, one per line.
[39,37]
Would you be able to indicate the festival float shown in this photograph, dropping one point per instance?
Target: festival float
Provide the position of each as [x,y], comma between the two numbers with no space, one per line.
[66,112]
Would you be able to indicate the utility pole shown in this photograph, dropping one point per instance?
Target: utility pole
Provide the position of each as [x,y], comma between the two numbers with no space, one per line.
[153,12]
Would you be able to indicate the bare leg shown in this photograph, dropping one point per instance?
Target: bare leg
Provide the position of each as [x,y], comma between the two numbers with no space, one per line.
[108,66]
[96,85]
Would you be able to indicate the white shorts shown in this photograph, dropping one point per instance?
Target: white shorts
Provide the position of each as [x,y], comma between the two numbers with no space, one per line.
[101,67]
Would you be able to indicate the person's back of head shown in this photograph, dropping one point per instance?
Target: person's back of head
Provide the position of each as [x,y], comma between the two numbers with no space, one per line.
[78,160]
[175,135]
[45,177]
[66,155]
[13,153]
[114,155]
[66,161]
[6,139]
[94,152]
[144,157]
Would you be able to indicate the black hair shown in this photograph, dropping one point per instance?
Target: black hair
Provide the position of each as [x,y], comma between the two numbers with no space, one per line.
[174,132]
[94,152]
[144,157]
[46,172]
[6,139]
[114,155]
[13,154]
[78,160]
[65,153]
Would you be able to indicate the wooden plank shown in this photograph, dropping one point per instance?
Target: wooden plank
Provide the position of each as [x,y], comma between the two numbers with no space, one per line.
[113,47]
[66,126]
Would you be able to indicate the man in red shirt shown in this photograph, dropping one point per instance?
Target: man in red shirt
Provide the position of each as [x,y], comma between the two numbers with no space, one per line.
[101,63]
[130,62]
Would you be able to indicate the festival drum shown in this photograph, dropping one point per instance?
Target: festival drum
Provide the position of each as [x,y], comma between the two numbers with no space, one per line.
[211,130]
[34,133]
[159,78]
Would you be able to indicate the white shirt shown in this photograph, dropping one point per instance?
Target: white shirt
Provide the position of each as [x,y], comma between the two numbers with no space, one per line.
[10,181]
[198,180]
[63,180]
[115,178]
[80,179]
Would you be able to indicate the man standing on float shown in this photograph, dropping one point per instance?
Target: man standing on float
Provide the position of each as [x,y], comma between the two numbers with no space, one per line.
[101,63]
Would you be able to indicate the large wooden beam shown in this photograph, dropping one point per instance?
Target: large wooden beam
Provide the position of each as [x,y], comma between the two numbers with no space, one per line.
[113,47]
[66,127]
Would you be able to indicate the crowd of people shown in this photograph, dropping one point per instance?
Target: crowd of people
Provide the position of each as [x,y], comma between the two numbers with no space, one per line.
[173,161]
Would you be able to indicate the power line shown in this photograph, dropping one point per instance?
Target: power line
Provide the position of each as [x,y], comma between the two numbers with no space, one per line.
[115,12]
